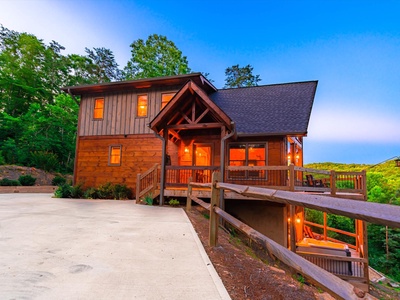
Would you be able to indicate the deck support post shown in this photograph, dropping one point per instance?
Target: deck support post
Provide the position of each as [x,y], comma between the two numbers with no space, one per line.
[189,193]
[215,194]
[333,183]
[292,225]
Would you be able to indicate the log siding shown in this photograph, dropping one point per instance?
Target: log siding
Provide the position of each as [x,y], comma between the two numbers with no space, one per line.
[138,154]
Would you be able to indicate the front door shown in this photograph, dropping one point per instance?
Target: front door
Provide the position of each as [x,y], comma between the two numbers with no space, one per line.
[203,157]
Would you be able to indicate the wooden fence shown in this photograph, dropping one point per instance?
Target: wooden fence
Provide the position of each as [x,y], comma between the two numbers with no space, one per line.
[372,212]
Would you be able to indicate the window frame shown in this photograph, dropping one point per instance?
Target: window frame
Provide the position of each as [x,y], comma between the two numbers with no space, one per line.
[247,174]
[166,93]
[110,156]
[96,108]
[147,106]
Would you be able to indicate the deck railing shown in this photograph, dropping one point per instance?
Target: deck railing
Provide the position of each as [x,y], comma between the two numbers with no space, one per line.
[178,175]
[348,268]
[147,182]
[291,178]
[294,178]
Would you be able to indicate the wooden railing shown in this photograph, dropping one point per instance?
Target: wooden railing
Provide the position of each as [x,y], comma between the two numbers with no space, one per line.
[178,176]
[147,182]
[325,279]
[299,179]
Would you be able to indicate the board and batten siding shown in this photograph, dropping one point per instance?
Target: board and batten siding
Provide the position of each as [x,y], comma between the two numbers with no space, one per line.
[120,112]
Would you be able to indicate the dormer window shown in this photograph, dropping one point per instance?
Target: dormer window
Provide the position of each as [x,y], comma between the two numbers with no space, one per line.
[142,105]
[98,113]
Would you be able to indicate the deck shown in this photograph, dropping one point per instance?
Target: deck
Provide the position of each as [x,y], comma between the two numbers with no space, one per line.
[350,185]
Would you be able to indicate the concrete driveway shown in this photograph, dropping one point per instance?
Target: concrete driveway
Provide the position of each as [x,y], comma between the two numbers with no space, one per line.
[100,249]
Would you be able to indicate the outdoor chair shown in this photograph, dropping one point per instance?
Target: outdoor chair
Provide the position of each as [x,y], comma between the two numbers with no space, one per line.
[310,181]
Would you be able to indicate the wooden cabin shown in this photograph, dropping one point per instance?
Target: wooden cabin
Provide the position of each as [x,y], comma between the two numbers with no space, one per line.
[154,134]
[188,128]
[184,121]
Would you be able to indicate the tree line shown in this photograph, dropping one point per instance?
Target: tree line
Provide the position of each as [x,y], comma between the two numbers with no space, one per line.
[38,122]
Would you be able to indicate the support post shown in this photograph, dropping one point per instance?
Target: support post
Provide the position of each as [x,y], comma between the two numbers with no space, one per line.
[189,193]
[291,177]
[138,188]
[292,210]
[215,194]
[333,183]
[325,224]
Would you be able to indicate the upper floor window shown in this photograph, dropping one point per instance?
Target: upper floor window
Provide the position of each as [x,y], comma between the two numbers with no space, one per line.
[165,98]
[114,158]
[142,106]
[98,108]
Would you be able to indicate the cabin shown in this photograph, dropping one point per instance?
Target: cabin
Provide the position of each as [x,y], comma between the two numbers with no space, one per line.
[156,134]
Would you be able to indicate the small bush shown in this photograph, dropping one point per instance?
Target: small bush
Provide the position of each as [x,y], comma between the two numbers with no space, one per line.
[106,191]
[173,202]
[77,191]
[122,192]
[91,193]
[148,199]
[67,191]
[58,180]
[8,182]
[27,180]
[63,191]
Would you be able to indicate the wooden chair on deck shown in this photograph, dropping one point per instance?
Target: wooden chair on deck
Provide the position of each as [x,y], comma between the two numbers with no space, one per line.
[310,234]
[310,181]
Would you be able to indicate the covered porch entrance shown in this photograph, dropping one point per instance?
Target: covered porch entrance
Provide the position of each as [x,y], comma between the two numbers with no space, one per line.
[193,131]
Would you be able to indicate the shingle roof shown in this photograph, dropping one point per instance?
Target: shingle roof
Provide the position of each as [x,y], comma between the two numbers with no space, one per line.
[269,109]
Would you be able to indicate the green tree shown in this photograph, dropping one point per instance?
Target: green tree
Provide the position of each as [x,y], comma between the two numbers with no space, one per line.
[103,64]
[240,77]
[157,56]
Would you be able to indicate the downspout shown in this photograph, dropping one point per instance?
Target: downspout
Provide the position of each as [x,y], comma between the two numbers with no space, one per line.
[162,183]
[223,140]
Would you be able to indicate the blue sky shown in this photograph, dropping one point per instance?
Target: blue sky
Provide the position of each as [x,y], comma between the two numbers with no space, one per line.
[351,47]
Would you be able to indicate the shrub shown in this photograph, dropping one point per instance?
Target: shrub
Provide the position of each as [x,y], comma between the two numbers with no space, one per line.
[67,191]
[106,191]
[122,192]
[58,180]
[77,191]
[148,199]
[63,191]
[173,202]
[91,193]
[27,180]
[8,182]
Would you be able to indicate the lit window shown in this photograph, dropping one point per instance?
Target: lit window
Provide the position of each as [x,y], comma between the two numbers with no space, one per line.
[98,108]
[115,156]
[165,98]
[247,154]
[142,106]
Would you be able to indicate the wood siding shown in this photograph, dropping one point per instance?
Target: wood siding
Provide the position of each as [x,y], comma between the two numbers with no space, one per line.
[139,153]
[120,112]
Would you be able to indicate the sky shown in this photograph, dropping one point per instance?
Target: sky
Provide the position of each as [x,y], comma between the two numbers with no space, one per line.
[351,47]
